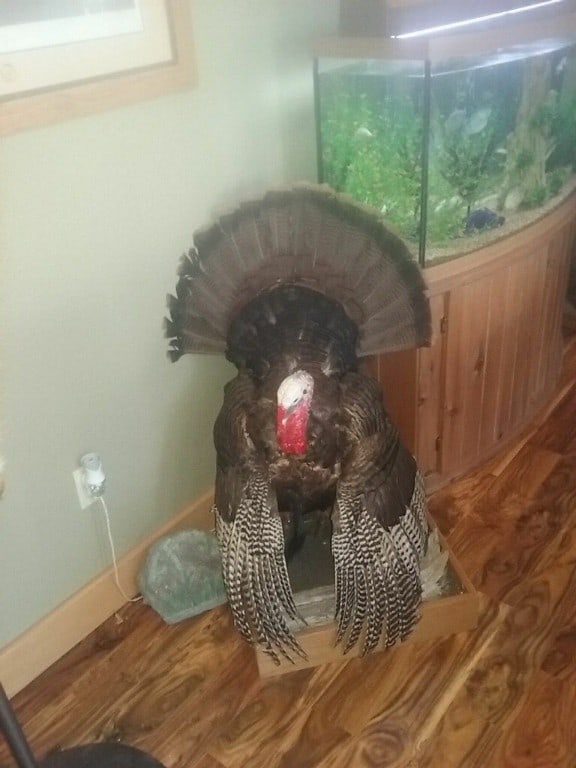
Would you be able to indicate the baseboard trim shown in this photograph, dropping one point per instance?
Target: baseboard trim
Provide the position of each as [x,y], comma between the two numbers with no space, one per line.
[36,649]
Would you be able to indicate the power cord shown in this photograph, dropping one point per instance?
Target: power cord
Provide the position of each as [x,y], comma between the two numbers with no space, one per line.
[114,560]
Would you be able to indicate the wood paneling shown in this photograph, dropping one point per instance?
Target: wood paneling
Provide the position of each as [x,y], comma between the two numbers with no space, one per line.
[398,377]
[499,360]
[363,20]
[412,388]
[430,404]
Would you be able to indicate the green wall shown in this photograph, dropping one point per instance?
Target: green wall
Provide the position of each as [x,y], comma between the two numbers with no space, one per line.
[94,214]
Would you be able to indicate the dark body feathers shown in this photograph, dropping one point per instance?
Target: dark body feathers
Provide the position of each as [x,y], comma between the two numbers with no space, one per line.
[297,285]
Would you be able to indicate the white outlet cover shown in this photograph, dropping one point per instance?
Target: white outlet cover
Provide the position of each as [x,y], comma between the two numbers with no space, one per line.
[83,497]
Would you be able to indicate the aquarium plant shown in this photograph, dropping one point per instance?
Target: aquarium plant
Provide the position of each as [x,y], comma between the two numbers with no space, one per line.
[562,160]
[372,148]
[500,133]
[530,145]
[467,154]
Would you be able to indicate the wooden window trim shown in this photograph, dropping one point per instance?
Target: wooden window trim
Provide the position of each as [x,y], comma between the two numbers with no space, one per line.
[103,93]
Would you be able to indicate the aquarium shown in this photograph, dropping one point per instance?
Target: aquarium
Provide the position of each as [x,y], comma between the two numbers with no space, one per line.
[454,150]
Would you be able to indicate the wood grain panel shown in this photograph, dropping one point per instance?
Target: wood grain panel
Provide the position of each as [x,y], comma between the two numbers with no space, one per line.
[462,738]
[177,724]
[497,690]
[430,392]
[549,343]
[542,735]
[559,440]
[532,305]
[497,290]
[119,707]
[557,505]
[398,378]
[405,707]
[501,356]
[561,252]
[509,528]
[452,424]
[514,323]
[474,351]
[287,701]
[204,762]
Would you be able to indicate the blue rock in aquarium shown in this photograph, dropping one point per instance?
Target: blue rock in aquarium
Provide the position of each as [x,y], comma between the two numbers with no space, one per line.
[182,575]
[482,218]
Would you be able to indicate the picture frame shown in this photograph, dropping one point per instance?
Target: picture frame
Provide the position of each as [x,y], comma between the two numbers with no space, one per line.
[80,71]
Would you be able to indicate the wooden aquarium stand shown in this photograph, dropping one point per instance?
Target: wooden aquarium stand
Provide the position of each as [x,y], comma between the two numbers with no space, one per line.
[496,353]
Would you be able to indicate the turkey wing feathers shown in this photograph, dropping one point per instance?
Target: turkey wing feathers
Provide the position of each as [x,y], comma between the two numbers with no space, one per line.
[380,528]
[249,530]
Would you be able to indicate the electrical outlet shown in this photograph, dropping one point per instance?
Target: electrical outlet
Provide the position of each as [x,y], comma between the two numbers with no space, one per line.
[83,496]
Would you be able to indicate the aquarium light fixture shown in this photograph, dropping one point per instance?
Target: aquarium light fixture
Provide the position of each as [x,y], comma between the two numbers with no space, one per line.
[475,20]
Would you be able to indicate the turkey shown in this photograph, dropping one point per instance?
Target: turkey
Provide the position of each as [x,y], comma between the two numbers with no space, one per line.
[294,288]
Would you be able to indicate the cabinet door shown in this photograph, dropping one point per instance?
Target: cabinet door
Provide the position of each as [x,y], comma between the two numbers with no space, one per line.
[412,387]
[503,352]
[397,374]
[430,392]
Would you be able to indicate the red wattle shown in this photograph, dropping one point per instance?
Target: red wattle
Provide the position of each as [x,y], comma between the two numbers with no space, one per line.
[291,429]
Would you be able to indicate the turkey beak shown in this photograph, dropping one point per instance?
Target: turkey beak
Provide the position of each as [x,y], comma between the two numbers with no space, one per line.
[285,413]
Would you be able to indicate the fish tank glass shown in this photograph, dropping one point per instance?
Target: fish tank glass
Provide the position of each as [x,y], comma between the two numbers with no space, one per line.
[455,151]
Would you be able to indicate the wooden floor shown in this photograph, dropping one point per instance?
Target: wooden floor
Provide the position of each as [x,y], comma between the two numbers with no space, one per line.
[503,696]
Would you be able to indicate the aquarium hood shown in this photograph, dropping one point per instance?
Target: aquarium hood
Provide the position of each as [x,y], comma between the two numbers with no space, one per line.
[471,18]
[408,19]
[539,30]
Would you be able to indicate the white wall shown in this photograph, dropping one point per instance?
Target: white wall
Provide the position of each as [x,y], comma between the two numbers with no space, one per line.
[94,216]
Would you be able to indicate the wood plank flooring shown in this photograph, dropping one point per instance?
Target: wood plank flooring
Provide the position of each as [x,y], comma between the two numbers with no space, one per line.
[503,696]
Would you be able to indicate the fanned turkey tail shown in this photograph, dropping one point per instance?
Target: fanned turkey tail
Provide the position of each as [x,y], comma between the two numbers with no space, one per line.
[305,236]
